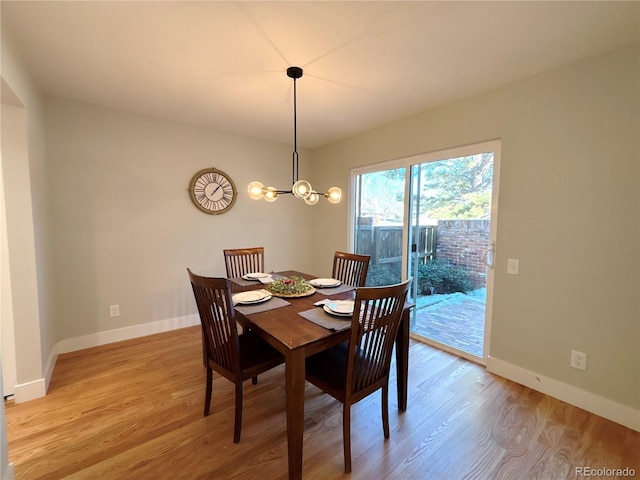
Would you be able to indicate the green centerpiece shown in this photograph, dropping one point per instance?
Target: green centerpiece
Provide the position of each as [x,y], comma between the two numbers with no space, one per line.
[290,287]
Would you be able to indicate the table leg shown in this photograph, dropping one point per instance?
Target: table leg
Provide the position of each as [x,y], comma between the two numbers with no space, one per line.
[295,386]
[402,360]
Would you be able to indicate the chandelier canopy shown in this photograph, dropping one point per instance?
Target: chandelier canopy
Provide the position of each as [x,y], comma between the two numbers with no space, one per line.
[299,188]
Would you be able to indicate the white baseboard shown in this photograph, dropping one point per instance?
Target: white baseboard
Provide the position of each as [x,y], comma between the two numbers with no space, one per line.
[38,388]
[30,391]
[24,392]
[604,407]
[126,333]
[51,363]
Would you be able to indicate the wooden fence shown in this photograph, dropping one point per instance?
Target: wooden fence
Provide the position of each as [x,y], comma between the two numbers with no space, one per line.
[461,241]
[384,243]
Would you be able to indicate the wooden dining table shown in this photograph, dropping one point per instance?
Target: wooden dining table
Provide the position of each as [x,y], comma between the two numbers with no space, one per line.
[298,338]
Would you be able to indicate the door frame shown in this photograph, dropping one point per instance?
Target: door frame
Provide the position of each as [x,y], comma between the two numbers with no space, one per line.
[494,146]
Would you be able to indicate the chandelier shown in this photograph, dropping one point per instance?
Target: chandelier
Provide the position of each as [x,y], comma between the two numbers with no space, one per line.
[300,188]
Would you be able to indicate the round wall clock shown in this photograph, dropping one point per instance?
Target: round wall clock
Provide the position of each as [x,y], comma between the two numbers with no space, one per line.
[212,191]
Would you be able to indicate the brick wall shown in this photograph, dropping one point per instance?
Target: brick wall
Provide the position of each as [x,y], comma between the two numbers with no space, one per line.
[463,242]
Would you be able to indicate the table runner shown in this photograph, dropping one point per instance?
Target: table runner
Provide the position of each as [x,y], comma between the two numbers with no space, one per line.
[322,318]
[245,283]
[335,290]
[275,302]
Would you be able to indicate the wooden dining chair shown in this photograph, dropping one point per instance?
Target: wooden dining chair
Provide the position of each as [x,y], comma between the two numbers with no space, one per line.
[350,268]
[235,357]
[240,261]
[355,369]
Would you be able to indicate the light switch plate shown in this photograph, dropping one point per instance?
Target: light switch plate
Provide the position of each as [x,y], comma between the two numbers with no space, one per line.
[513,266]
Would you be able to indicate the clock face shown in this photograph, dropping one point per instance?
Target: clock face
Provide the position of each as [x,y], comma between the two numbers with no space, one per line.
[212,191]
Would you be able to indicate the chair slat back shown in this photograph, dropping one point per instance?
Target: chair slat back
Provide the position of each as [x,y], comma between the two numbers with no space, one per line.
[217,317]
[376,319]
[350,268]
[240,261]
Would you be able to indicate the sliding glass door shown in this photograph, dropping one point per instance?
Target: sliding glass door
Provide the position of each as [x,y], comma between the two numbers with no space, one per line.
[379,223]
[451,250]
[433,217]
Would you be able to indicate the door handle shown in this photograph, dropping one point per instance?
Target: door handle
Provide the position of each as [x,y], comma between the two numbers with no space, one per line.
[488,257]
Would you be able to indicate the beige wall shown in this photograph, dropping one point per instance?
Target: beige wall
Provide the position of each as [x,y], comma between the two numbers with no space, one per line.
[27,217]
[124,227]
[569,209]
[24,264]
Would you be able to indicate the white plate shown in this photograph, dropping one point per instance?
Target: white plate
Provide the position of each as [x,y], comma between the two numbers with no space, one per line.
[255,276]
[252,296]
[331,312]
[325,282]
[341,307]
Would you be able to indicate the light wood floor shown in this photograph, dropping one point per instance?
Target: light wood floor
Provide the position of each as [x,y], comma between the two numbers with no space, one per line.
[133,410]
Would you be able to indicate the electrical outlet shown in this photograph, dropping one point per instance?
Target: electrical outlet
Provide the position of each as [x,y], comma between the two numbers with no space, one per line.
[513,266]
[578,360]
[114,310]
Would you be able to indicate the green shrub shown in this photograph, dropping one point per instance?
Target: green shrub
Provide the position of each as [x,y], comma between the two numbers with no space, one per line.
[383,274]
[443,276]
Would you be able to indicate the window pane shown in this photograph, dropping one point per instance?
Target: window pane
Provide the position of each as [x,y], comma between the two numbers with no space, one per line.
[379,224]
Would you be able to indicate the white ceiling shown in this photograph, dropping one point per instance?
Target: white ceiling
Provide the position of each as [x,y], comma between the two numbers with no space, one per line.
[222,64]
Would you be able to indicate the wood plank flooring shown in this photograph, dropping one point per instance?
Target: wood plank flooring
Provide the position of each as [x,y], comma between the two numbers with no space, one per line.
[133,410]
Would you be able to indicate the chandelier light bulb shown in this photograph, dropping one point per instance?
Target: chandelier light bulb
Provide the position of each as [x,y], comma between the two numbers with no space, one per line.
[270,194]
[301,189]
[256,190]
[312,199]
[334,194]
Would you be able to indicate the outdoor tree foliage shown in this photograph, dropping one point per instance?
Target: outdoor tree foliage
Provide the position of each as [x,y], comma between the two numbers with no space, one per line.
[384,195]
[457,188]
